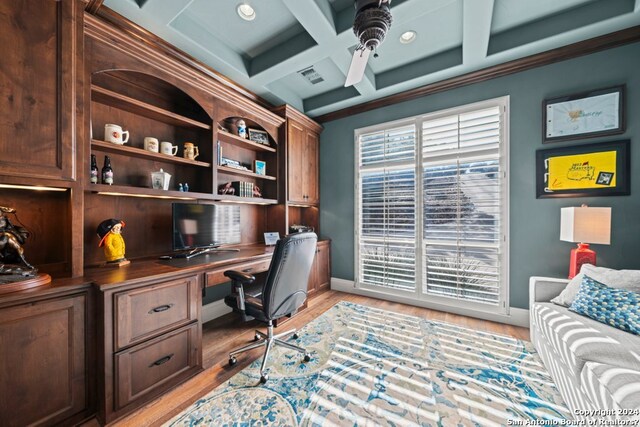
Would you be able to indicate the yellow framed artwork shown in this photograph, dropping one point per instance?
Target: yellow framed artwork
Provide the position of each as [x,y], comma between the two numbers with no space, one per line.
[585,170]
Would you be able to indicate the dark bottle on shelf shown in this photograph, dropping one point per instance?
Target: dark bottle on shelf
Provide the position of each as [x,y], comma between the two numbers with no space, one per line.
[94,169]
[107,172]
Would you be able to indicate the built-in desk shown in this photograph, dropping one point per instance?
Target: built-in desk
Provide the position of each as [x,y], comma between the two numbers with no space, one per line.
[149,320]
[150,323]
[248,256]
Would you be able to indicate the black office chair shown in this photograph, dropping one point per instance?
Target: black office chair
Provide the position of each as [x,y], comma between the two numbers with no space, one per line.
[283,292]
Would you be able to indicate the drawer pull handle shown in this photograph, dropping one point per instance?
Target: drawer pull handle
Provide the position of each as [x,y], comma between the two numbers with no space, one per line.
[161,361]
[161,308]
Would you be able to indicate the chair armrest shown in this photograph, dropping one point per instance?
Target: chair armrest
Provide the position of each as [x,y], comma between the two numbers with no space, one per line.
[544,289]
[238,276]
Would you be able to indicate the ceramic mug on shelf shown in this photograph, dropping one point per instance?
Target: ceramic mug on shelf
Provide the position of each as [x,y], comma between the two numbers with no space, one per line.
[190,151]
[151,144]
[114,133]
[168,148]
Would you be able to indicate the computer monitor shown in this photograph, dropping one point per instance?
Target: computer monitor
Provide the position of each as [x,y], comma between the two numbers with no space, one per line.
[205,226]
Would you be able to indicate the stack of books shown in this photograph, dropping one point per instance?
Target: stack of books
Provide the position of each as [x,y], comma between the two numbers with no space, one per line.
[243,189]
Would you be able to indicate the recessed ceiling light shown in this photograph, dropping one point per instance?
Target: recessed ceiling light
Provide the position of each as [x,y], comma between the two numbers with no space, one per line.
[408,37]
[246,12]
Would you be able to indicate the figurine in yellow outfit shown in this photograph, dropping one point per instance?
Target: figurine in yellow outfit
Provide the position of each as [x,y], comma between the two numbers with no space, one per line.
[110,238]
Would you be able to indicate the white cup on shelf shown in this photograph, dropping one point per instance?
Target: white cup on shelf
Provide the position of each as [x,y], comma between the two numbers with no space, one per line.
[168,148]
[151,144]
[114,133]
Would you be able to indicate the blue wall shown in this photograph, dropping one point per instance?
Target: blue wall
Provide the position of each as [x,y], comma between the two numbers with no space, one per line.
[534,223]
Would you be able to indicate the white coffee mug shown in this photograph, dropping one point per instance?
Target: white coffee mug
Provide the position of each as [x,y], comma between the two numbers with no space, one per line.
[151,144]
[114,133]
[168,148]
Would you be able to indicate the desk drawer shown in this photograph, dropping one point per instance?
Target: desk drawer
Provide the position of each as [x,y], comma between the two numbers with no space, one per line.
[215,277]
[156,365]
[142,313]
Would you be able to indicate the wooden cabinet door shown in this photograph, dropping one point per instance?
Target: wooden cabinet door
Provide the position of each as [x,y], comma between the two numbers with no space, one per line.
[295,162]
[43,363]
[323,263]
[313,277]
[311,193]
[37,87]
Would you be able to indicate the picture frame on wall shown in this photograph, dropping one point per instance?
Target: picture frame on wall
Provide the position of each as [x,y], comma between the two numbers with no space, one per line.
[259,136]
[584,115]
[590,170]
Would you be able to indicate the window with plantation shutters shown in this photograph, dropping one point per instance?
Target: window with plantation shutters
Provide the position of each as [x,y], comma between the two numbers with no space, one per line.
[431,208]
[461,183]
[387,234]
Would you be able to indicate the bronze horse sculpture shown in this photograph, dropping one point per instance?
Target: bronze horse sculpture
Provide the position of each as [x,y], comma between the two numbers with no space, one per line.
[12,237]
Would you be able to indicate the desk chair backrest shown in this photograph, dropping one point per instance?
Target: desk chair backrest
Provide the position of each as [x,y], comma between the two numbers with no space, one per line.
[285,288]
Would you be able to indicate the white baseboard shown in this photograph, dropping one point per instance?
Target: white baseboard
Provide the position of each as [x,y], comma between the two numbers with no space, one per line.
[516,316]
[214,310]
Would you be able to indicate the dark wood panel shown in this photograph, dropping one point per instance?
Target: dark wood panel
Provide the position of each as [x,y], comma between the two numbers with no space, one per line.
[596,44]
[43,367]
[38,130]
[142,313]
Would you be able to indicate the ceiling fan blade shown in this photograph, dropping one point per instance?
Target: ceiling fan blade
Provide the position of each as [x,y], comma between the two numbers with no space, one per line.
[358,65]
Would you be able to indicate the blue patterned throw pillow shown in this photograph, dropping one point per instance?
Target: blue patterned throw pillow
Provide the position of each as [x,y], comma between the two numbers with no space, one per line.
[619,308]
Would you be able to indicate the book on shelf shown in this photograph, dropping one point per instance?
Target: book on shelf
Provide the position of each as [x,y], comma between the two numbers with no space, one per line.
[242,188]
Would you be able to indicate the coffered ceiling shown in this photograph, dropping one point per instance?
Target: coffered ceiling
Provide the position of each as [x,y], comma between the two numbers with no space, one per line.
[454,37]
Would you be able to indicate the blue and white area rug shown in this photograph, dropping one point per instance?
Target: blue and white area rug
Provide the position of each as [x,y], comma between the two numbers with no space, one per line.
[374,367]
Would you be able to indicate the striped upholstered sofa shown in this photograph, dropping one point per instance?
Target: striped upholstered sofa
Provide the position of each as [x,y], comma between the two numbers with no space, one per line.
[595,366]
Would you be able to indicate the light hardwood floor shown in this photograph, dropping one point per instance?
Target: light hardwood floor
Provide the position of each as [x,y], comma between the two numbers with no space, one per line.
[221,335]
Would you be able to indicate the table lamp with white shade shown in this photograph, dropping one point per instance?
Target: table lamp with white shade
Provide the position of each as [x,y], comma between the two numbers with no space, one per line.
[584,225]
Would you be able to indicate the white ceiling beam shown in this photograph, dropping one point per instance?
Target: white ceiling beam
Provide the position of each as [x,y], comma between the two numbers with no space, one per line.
[313,18]
[476,28]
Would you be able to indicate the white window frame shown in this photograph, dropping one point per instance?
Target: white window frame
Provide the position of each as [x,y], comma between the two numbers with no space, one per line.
[423,299]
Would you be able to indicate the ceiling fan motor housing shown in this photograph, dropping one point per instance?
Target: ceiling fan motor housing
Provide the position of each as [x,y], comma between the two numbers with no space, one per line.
[372,21]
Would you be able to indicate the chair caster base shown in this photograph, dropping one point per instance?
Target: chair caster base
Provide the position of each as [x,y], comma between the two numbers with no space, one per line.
[232,361]
[307,358]
[264,378]
[295,336]
[256,337]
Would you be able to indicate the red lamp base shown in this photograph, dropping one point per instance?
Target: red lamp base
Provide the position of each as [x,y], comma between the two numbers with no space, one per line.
[580,255]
